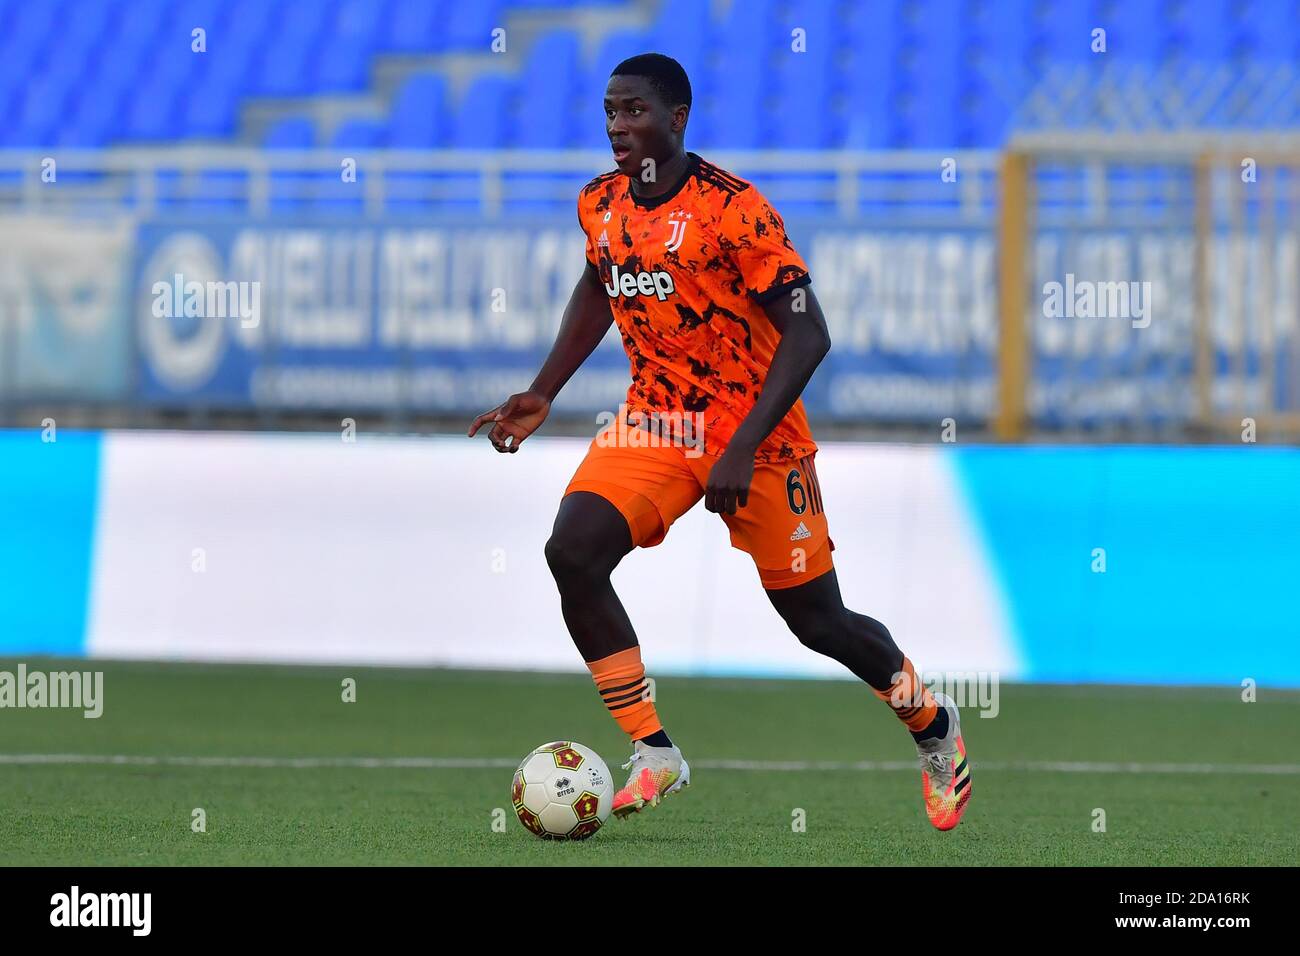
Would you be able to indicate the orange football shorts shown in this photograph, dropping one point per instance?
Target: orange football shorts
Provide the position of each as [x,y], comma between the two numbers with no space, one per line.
[783,526]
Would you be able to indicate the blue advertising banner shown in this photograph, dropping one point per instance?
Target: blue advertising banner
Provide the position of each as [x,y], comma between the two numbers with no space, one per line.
[445,318]
[455,316]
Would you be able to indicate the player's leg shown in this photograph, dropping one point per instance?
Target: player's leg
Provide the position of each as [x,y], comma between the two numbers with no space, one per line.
[815,613]
[620,498]
[784,529]
[589,539]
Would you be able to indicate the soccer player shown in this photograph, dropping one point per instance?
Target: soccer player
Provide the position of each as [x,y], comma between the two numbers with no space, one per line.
[723,331]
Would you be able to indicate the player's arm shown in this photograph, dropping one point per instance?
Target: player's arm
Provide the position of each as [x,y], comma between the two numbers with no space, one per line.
[586,319]
[805,340]
[798,319]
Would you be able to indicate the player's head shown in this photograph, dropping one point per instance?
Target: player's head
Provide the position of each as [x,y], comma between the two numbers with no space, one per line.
[647,102]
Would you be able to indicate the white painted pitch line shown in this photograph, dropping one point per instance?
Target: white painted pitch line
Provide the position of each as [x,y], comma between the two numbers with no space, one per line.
[770,766]
[294,763]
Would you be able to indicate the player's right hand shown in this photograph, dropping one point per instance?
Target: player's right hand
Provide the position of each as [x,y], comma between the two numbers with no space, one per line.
[513,420]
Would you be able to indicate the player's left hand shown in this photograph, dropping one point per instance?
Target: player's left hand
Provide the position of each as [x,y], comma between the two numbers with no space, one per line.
[728,486]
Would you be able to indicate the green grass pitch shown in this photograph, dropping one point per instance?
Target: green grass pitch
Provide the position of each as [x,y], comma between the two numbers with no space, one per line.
[83,813]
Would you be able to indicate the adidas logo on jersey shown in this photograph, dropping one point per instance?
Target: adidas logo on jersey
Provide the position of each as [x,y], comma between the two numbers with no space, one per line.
[801,532]
[657,283]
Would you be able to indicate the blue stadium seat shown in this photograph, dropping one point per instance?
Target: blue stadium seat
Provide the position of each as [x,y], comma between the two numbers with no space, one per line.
[95,119]
[249,21]
[470,25]
[33,95]
[1001,40]
[305,21]
[33,22]
[1065,33]
[486,113]
[343,64]
[419,115]
[189,14]
[806,112]
[1262,39]
[124,52]
[878,74]
[212,112]
[284,68]
[364,19]
[213,109]
[292,132]
[81,30]
[614,49]
[1005,34]
[15,65]
[740,83]
[360,134]
[1202,31]
[1136,31]
[41,105]
[548,88]
[685,31]
[413,27]
[932,81]
[153,113]
[289,46]
[870,83]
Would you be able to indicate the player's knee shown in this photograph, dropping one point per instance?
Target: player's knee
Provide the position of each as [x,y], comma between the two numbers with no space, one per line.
[561,556]
[820,633]
[574,559]
[875,632]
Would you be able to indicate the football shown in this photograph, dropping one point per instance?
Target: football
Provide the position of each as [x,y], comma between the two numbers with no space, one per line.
[562,791]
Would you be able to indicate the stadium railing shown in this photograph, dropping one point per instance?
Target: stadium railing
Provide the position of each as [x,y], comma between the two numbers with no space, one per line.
[263,182]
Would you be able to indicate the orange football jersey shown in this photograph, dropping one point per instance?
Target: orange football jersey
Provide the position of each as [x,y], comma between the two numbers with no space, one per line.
[687,274]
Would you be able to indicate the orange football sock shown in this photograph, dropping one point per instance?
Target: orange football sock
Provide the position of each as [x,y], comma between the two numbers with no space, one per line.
[620,678]
[910,700]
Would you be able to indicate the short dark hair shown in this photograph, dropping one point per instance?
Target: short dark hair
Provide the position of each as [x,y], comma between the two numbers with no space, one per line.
[664,73]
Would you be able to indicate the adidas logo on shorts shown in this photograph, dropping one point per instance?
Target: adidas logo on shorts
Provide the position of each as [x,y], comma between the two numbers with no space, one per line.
[801,532]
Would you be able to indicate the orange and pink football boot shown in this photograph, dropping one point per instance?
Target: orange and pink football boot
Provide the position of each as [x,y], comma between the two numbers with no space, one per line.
[656,773]
[945,771]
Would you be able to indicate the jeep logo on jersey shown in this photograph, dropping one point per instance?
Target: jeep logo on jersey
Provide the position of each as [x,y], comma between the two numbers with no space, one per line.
[657,283]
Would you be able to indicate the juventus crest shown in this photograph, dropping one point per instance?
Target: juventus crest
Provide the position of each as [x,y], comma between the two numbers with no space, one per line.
[679,221]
